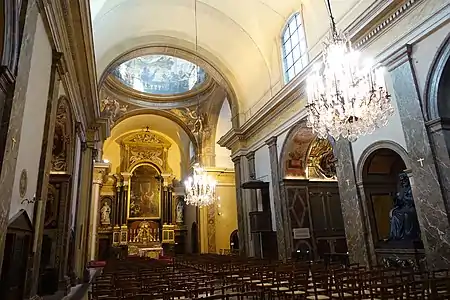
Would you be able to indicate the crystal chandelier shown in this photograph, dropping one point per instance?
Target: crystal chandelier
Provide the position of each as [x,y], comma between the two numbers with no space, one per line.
[200,188]
[345,99]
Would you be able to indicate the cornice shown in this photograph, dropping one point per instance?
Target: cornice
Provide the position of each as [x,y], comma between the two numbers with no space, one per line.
[376,20]
[69,32]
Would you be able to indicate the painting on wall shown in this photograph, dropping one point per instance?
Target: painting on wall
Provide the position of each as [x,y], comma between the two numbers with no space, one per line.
[296,153]
[145,193]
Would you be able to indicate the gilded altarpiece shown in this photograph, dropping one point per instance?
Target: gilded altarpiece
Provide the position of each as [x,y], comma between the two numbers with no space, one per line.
[143,208]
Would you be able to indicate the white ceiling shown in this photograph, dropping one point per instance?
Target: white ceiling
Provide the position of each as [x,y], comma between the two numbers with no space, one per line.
[241,38]
[238,36]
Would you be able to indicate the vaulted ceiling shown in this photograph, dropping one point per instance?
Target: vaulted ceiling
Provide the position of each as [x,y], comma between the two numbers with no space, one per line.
[237,36]
[240,38]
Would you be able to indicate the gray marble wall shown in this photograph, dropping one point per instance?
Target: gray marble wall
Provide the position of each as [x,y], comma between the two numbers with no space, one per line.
[280,207]
[241,215]
[15,123]
[352,206]
[426,185]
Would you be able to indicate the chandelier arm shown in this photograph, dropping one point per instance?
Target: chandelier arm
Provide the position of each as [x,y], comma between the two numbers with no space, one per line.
[332,21]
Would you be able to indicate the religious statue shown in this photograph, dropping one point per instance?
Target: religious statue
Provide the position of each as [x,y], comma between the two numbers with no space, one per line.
[403,217]
[180,211]
[105,214]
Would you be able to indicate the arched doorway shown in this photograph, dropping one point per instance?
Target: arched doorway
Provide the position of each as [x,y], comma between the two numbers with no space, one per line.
[234,241]
[312,196]
[394,225]
[194,237]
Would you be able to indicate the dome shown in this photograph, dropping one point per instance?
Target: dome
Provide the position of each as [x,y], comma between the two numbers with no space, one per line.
[161,75]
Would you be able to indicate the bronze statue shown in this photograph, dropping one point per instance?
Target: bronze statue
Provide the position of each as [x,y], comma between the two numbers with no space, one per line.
[403,217]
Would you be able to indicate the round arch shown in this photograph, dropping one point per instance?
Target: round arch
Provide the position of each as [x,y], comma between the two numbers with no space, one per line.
[385,144]
[439,71]
[161,113]
[184,53]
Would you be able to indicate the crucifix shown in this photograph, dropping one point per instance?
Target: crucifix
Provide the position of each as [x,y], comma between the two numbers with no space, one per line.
[146,129]
[421,161]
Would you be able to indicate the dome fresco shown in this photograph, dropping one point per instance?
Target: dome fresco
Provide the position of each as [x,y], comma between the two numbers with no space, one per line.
[160,75]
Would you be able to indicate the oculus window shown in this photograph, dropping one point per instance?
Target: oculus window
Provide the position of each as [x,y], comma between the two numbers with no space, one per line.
[160,75]
[295,52]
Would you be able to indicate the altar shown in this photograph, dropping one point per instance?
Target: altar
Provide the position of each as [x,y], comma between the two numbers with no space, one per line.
[144,240]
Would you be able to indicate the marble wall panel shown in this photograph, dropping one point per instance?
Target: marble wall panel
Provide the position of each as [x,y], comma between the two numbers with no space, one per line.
[426,186]
[352,208]
[280,207]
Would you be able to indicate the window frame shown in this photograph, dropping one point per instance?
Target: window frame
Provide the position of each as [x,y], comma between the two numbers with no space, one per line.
[302,60]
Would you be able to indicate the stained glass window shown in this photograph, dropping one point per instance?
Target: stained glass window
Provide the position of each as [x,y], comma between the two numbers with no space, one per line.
[294,49]
[160,74]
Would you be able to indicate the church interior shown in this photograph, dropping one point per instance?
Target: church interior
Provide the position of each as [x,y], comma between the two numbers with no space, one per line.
[205,149]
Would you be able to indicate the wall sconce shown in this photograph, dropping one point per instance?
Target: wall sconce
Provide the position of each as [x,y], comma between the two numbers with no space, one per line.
[27,201]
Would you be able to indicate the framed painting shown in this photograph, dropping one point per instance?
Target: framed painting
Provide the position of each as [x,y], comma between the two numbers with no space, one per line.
[144,193]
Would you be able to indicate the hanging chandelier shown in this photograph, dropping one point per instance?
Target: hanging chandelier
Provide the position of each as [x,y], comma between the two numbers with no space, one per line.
[200,188]
[345,99]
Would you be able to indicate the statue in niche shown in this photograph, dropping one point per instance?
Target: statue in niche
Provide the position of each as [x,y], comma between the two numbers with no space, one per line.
[105,213]
[403,216]
[180,211]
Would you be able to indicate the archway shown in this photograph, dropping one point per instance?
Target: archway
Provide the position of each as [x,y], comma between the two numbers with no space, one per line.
[392,219]
[234,242]
[312,196]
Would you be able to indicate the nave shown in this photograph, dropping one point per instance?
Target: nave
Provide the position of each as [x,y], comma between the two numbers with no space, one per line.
[212,276]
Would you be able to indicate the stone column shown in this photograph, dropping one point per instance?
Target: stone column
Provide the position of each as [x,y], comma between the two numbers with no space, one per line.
[353,212]
[63,234]
[426,187]
[11,125]
[119,186]
[241,215]
[87,167]
[100,170]
[125,195]
[280,207]
[44,170]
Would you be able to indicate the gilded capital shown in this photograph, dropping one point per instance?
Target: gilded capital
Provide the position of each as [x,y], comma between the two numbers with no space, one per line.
[272,142]
[99,175]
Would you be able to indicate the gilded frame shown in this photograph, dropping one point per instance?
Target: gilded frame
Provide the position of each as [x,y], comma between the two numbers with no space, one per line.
[129,192]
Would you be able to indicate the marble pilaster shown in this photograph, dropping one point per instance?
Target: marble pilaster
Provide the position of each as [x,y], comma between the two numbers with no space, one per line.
[81,238]
[439,132]
[100,170]
[280,207]
[352,208]
[12,123]
[63,234]
[241,216]
[44,171]
[119,191]
[124,200]
[426,186]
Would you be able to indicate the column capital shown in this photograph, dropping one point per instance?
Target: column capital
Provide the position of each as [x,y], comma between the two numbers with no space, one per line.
[271,142]
[236,159]
[99,175]
[250,155]
[126,176]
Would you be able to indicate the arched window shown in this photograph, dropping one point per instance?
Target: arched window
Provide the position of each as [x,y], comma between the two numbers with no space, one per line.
[295,54]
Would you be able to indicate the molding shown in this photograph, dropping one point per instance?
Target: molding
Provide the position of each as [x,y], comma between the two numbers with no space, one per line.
[69,31]
[392,12]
